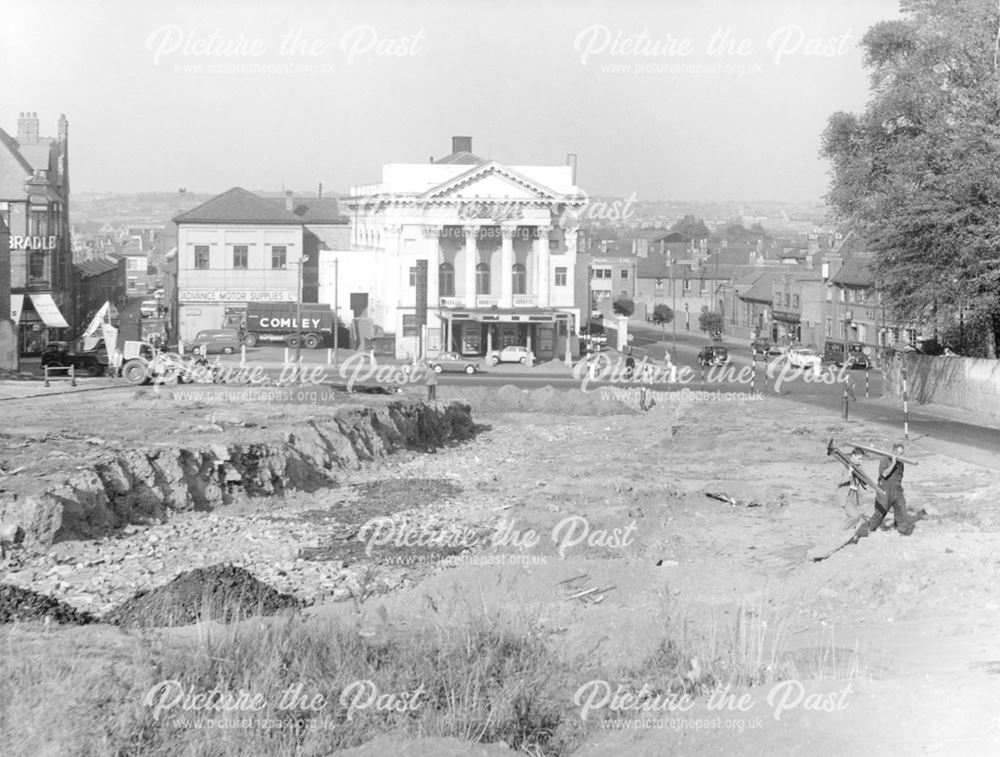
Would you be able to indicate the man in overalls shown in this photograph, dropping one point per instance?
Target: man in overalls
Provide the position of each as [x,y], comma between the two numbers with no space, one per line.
[890,480]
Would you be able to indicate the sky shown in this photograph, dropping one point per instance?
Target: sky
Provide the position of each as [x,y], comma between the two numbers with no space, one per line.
[658,99]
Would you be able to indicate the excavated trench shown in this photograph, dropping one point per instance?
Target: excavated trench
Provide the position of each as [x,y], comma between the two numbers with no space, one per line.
[145,485]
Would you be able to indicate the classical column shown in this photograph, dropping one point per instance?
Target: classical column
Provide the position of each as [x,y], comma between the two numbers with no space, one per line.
[471,260]
[541,256]
[432,251]
[507,265]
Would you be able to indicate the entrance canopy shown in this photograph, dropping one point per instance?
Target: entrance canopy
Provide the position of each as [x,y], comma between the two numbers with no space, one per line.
[505,316]
[16,305]
[48,311]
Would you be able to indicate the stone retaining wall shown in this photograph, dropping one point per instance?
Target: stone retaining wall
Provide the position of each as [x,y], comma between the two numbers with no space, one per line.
[966,383]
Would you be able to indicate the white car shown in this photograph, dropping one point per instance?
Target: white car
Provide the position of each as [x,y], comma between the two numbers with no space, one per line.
[511,354]
[804,358]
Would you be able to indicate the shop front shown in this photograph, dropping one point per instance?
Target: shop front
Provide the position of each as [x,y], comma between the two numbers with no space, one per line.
[477,334]
[39,320]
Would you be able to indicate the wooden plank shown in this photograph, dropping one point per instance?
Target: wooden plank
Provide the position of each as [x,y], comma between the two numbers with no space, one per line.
[866,448]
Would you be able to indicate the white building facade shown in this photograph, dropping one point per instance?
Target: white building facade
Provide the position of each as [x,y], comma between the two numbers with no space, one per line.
[500,245]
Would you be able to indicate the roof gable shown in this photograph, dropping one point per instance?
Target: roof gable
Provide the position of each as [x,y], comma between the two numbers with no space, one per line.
[491,181]
[241,206]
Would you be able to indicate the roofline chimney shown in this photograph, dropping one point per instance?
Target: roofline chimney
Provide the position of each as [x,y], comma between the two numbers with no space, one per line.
[289,204]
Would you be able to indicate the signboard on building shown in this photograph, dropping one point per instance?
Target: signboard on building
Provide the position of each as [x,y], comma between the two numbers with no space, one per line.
[34,244]
[234,295]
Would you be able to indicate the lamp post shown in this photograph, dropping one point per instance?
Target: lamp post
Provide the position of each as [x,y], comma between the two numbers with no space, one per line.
[336,309]
[673,321]
[298,311]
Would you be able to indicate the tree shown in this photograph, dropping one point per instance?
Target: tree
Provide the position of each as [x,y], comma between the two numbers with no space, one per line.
[623,306]
[917,174]
[711,322]
[692,227]
[662,315]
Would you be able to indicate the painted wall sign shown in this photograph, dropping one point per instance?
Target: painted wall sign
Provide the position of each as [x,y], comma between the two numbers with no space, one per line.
[35,244]
[234,295]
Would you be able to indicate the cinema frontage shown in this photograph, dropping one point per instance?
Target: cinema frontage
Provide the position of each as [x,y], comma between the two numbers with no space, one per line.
[478,333]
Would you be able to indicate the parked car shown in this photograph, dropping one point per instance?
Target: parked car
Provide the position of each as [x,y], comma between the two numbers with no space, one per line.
[804,358]
[452,361]
[226,341]
[511,354]
[149,308]
[856,357]
[764,346]
[61,354]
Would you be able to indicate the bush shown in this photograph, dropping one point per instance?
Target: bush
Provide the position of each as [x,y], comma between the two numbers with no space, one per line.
[623,306]
[662,315]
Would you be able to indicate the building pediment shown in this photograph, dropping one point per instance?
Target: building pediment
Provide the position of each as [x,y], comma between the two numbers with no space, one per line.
[491,181]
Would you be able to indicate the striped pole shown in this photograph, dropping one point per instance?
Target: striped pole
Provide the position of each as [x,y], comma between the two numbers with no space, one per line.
[867,367]
[753,376]
[906,410]
[702,374]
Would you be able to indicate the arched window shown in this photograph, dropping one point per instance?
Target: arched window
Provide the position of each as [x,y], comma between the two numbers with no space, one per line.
[446,280]
[482,279]
[519,279]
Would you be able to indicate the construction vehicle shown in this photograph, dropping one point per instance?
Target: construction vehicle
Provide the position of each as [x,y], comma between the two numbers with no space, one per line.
[140,362]
[306,325]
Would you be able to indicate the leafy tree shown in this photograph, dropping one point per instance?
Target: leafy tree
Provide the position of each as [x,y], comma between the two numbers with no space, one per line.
[662,315]
[711,321]
[917,174]
[692,227]
[623,306]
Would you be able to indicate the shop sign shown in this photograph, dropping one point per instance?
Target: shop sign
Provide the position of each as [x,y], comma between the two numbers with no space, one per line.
[234,295]
[33,244]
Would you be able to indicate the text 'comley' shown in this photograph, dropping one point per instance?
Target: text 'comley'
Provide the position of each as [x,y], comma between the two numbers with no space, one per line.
[288,323]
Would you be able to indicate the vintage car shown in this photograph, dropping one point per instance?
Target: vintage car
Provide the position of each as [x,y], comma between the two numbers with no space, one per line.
[856,356]
[60,354]
[713,355]
[804,358]
[514,353]
[214,341]
[452,361]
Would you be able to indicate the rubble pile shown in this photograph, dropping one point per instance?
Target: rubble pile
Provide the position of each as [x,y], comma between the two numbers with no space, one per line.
[20,604]
[217,592]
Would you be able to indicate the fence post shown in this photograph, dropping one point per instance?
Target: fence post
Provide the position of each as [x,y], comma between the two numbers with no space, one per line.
[46,369]
[243,355]
[753,376]
[72,375]
[906,411]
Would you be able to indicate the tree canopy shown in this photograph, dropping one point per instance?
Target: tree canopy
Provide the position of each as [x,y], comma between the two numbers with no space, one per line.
[623,306]
[662,315]
[692,227]
[917,174]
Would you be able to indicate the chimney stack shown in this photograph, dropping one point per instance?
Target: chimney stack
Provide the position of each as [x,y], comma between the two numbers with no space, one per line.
[289,205]
[461,144]
[27,129]
[63,127]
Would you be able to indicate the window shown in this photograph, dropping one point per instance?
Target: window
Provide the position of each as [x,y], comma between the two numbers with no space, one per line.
[659,285]
[795,300]
[137,264]
[410,327]
[862,332]
[482,279]
[519,279]
[787,300]
[829,327]
[623,273]
[560,277]
[842,295]
[413,276]
[200,256]
[623,293]
[132,282]
[279,256]
[687,285]
[36,265]
[241,256]
[602,273]
[829,294]
[446,280]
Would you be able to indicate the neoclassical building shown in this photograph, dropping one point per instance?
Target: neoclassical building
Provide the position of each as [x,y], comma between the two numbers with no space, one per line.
[500,245]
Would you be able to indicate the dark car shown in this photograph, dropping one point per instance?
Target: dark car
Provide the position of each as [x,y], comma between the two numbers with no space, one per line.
[452,361]
[764,346]
[61,355]
[856,356]
[713,355]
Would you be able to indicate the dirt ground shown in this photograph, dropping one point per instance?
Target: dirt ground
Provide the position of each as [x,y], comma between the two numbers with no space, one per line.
[890,646]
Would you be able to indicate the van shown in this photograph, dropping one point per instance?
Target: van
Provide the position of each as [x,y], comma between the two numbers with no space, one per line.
[149,308]
[226,341]
[857,357]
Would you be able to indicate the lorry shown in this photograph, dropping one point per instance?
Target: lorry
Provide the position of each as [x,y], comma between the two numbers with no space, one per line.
[280,322]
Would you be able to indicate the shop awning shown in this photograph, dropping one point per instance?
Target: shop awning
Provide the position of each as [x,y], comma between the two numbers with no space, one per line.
[16,305]
[48,311]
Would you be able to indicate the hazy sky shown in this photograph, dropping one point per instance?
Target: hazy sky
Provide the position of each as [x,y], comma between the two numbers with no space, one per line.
[669,99]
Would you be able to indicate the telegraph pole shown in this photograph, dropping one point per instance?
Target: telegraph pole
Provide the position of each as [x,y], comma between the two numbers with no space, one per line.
[336,309]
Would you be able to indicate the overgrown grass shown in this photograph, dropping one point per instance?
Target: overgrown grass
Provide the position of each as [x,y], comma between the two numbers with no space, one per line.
[482,678]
